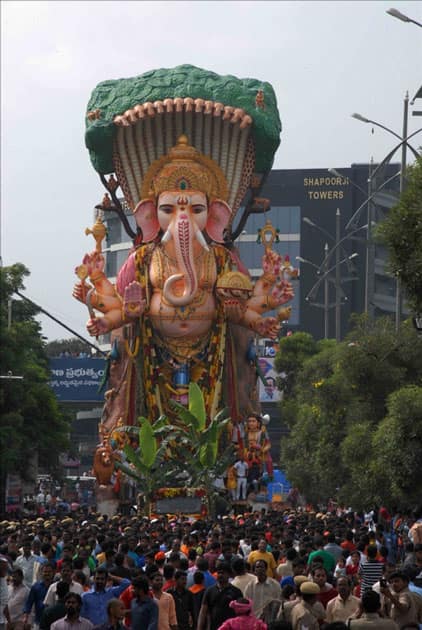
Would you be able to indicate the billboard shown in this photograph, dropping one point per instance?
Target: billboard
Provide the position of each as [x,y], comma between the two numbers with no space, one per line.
[268,392]
[77,380]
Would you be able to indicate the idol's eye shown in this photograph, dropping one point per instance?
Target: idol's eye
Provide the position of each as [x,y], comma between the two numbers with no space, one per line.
[166,208]
[198,208]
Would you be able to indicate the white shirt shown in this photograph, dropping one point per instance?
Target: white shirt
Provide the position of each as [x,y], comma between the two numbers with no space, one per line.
[51,596]
[241,468]
[27,565]
[4,596]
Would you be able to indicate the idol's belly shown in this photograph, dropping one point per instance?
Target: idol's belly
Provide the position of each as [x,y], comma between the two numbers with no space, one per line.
[193,320]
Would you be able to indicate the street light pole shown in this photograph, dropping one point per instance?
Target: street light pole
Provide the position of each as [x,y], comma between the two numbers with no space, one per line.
[401,16]
[326,292]
[399,298]
[338,277]
[369,266]
[404,144]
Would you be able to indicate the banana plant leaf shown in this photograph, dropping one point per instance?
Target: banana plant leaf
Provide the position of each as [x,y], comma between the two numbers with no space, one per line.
[188,418]
[197,405]
[147,443]
[134,458]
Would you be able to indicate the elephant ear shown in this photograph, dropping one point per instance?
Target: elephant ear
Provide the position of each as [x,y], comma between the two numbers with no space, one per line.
[219,215]
[145,215]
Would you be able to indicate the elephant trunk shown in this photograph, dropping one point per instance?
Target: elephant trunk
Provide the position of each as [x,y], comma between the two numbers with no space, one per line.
[182,233]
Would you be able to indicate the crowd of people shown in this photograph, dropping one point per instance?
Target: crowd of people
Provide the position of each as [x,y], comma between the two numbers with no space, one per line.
[292,570]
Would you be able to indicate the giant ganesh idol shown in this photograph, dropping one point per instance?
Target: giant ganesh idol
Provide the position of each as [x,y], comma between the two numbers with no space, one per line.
[187,148]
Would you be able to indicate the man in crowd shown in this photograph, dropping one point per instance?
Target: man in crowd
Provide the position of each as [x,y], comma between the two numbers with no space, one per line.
[47,555]
[167,619]
[144,609]
[215,607]
[332,547]
[345,605]
[57,611]
[94,602]
[241,468]
[73,604]
[263,590]
[262,554]
[17,596]
[399,601]
[65,576]
[26,561]
[303,614]
[201,564]
[37,594]
[241,577]
[183,599]
[327,559]
[370,619]
[370,571]
[115,615]
[326,590]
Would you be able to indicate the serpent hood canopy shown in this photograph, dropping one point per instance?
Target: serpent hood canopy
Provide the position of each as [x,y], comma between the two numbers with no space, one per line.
[132,122]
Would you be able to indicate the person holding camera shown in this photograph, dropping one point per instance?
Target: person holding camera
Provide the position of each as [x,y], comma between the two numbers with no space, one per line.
[399,601]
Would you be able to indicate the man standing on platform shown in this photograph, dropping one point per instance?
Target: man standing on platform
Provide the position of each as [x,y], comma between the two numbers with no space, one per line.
[241,468]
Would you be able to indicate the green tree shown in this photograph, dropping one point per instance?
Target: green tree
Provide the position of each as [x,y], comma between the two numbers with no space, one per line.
[402,232]
[337,408]
[294,351]
[397,443]
[73,346]
[30,419]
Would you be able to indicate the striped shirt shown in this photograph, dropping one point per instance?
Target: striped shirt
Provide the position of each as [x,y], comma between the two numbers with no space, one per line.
[370,573]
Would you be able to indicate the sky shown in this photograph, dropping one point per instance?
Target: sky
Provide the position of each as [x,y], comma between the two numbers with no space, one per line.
[325,61]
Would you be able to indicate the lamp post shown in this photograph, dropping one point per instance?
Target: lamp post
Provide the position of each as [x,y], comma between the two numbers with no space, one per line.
[324,267]
[324,272]
[404,144]
[338,279]
[401,16]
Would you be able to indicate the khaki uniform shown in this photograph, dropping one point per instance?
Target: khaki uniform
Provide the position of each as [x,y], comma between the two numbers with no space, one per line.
[303,616]
[339,609]
[372,621]
[285,612]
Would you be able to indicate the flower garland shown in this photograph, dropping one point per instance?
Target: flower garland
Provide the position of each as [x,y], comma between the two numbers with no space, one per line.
[171,493]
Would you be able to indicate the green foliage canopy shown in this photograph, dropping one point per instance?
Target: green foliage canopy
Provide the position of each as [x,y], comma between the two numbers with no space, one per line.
[402,232]
[30,418]
[355,418]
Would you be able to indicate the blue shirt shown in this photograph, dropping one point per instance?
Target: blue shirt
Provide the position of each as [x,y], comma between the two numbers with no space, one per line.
[209,579]
[144,614]
[36,598]
[94,603]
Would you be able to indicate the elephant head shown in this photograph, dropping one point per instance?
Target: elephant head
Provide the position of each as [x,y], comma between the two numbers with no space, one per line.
[182,216]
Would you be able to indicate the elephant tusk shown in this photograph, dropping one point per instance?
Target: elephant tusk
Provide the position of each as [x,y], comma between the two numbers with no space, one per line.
[200,238]
[166,236]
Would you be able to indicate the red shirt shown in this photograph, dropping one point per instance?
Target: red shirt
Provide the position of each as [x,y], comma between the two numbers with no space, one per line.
[169,584]
[325,596]
[126,597]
